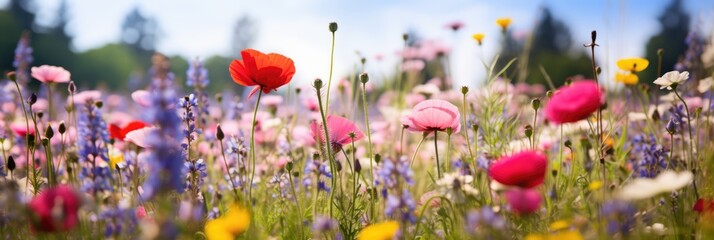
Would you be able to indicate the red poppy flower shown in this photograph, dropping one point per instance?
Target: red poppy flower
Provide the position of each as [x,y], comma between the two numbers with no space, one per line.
[265,71]
[523,201]
[525,169]
[704,206]
[55,209]
[119,133]
[574,103]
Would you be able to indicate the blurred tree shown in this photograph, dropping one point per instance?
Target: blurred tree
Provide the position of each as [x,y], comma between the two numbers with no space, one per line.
[674,27]
[11,31]
[140,34]
[550,46]
[21,12]
[217,67]
[244,33]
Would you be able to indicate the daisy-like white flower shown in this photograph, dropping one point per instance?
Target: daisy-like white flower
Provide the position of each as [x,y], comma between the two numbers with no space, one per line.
[671,78]
[456,187]
[643,188]
[705,84]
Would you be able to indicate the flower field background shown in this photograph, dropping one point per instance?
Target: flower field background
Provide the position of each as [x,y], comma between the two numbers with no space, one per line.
[547,145]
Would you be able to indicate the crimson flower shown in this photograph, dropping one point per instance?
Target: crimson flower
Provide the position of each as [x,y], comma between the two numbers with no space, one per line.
[55,209]
[119,133]
[704,206]
[523,201]
[339,130]
[265,71]
[525,169]
[574,102]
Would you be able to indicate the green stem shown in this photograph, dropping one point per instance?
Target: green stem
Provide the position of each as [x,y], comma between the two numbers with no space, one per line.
[329,79]
[225,162]
[328,147]
[466,131]
[417,149]
[436,153]
[27,124]
[369,130]
[252,146]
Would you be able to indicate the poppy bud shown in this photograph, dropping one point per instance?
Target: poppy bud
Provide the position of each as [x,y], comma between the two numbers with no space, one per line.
[296,174]
[62,128]
[363,60]
[30,141]
[528,130]
[11,163]
[698,111]
[338,165]
[49,132]
[12,76]
[99,104]
[219,133]
[45,141]
[568,144]
[568,81]
[377,158]
[405,37]
[364,77]
[333,27]
[554,173]
[298,90]
[219,97]
[289,166]
[32,99]
[71,87]
[535,103]
[593,36]
[598,70]
[358,166]
[317,83]
[40,115]
[671,127]
[549,93]
[464,89]
[660,52]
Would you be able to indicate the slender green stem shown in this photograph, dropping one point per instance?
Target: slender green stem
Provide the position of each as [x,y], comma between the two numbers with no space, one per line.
[466,131]
[369,130]
[27,124]
[252,146]
[225,162]
[689,125]
[436,154]
[417,149]
[328,147]
[535,133]
[448,151]
[329,78]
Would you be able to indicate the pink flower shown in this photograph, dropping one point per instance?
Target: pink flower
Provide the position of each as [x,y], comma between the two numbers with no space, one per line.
[523,201]
[85,97]
[271,100]
[140,136]
[574,103]
[431,115]
[339,129]
[20,129]
[142,97]
[55,209]
[413,66]
[526,169]
[50,74]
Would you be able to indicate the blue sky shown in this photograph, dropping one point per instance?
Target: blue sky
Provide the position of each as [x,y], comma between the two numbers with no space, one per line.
[298,29]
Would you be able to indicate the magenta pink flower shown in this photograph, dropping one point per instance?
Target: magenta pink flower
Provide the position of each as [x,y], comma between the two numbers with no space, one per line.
[574,103]
[433,115]
[55,209]
[50,74]
[339,129]
[523,201]
[525,169]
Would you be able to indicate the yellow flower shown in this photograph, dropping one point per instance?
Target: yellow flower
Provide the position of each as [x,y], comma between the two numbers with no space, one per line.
[595,185]
[633,64]
[560,235]
[503,22]
[230,225]
[478,37]
[379,231]
[559,225]
[627,78]
[115,157]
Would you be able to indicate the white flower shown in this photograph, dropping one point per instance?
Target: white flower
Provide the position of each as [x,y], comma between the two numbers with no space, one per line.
[643,188]
[705,84]
[670,78]
[426,89]
[456,187]
[657,229]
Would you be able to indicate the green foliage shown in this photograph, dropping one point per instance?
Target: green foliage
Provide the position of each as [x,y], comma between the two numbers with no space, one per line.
[10,34]
[217,67]
[111,65]
[674,27]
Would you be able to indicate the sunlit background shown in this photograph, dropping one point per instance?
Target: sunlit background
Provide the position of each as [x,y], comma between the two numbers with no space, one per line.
[108,43]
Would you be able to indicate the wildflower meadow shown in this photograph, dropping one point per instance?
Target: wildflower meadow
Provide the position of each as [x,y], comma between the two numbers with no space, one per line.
[408,154]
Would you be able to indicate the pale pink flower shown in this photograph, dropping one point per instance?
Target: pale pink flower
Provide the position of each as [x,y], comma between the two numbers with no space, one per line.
[271,100]
[431,115]
[413,66]
[339,130]
[142,97]
[86,96]
[140,136]
[50,74]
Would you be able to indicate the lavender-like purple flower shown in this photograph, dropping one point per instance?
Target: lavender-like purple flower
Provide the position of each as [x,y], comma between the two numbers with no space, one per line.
[118,221]
[394,175]
[197,75]
[484,219]
[195,175]
[315,169]
[619,216]
[23,58]
[92,141]
[165,157]
[651,158]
